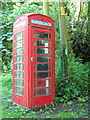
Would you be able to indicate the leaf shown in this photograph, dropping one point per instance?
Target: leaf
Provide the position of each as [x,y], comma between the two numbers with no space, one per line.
[69,103]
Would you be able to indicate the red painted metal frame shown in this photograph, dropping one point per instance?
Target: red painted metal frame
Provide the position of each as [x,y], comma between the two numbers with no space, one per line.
[29,100]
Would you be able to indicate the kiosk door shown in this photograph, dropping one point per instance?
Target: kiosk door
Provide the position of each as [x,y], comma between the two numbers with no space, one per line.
[42,62]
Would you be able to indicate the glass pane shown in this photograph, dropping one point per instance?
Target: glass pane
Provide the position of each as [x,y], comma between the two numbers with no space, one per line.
[42,35]
[42,51]
[34,67]
[23,75]
[49,66]
[47,83]
[19,83]
[50,83]
[19,59]
[43,83]
[34,83]
[50,51]
[50,91]
[43,59]
[19,36]
[47,91]
[41,92]
[50,74]
[23,92]
[19,51]
[35,75]
[19,44]
[19,75]
[42,43]
[19,67]
[19,91]
[50,36]
[42,75]
[42,67]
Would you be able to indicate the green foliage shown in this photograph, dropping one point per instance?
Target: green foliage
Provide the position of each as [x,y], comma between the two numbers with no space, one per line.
[81,99]
[78,74]
[7,32]
[78,30]
[10,11]
[76,84]
[69,103]
[7,81]
[66,115]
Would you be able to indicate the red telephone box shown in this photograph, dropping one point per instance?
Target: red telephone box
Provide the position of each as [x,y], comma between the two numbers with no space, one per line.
[33,60]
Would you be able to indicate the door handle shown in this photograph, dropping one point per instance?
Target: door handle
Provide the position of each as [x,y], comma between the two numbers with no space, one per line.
[31,58]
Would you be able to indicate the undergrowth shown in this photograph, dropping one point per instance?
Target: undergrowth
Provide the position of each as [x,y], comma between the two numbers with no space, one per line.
[76,84]
[67,89]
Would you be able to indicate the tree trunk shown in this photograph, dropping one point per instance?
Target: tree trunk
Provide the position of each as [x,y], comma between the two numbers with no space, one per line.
[45,7]
[63,35]
[80,9]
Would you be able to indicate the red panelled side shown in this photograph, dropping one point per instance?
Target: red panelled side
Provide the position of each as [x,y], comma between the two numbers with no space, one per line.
[33,60]
[21,99]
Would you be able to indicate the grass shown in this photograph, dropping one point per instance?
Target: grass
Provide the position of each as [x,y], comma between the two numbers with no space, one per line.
[11,111]
[66,115]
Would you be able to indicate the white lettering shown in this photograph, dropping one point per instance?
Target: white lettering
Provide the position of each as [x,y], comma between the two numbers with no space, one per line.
[40,22]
